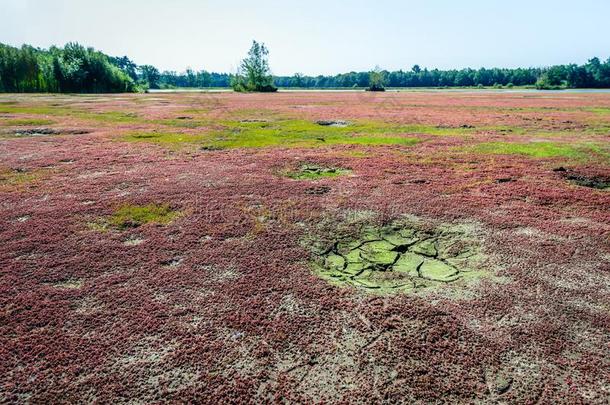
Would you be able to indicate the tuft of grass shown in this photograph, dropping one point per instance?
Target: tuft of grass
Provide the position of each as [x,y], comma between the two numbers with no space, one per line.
[133,216]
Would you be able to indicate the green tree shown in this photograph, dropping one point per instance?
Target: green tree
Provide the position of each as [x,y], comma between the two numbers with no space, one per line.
[376,80]
[297,80]
[254,73]
[151,76]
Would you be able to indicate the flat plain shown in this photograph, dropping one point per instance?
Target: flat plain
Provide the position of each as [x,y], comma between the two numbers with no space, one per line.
[306,247]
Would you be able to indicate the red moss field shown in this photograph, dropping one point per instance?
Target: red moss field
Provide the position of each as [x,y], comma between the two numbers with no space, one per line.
[335,247]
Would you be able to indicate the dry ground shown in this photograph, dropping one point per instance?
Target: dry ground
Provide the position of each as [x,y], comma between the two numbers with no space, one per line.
[175,247]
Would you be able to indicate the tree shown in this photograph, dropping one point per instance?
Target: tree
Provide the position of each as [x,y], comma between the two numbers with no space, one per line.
[151,76]
[376,80]
[297,80]
[191,78]
[127,65]
[254,73]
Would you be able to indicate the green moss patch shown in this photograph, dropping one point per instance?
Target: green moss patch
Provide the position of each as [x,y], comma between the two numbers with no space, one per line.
[401,257]
[133,216]
[314,172]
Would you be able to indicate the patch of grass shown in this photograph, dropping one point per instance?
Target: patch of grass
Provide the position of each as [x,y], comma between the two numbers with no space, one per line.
[356,153]
[35,110]
[129,216]
[104,116]
[165,137]
[309,134]
[11,178]
[599,110]
[26,122]
[436,130]
[314,172]
[109,116]
[283,133]
[190,123]
[599,150]
[133,216]
[538,149]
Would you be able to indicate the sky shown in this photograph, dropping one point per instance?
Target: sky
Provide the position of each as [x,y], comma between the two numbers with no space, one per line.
[319,37]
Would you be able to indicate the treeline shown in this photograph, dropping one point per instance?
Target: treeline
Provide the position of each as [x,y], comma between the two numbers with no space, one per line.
[418,77]
[593,74]
[191,78]
[73,68]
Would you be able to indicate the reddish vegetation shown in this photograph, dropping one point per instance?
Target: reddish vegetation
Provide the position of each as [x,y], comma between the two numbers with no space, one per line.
[221,305]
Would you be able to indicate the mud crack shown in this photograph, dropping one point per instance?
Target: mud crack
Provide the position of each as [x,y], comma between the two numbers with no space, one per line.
[397,257]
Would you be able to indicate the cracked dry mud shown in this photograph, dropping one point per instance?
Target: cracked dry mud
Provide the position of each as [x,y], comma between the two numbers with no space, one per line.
[400,258]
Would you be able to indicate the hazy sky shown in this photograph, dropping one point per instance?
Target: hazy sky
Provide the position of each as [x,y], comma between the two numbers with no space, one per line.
[319,37]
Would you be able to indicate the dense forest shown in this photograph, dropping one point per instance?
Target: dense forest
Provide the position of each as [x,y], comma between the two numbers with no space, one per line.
[73,68]
[77,69]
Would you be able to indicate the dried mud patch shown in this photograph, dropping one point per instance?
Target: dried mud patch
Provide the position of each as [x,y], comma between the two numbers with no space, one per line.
[70,284]
[600,183]
[34,132]
[403,256]
[333,123]
[596,181]
[317,190]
